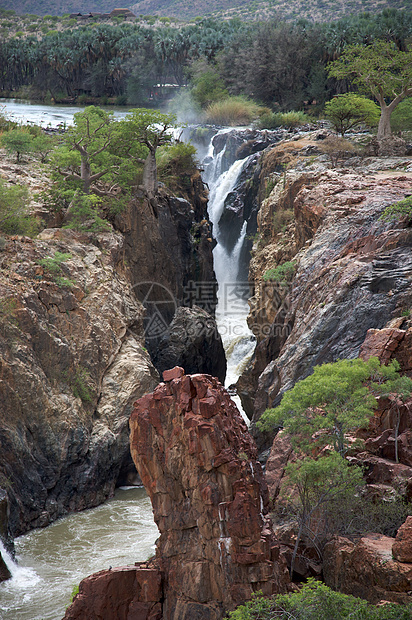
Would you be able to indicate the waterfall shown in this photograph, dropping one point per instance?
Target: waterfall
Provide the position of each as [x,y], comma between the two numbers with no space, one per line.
[21,577]
[232,308]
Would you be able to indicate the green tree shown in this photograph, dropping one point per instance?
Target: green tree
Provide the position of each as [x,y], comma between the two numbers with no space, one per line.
[90,138]
[148,129]
[17,141]
[349,111]
[321,484]
[334,399]
[381,69]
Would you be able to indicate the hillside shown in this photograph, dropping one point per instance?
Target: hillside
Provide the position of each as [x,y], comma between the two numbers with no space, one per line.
[316,10]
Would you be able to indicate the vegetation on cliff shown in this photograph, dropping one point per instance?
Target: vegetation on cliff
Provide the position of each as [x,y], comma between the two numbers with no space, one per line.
[314,601]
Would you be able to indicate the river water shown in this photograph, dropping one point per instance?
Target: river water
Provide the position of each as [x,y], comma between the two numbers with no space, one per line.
[53,560]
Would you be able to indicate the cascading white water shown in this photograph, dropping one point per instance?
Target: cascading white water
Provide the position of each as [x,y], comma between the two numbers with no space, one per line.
[232,309]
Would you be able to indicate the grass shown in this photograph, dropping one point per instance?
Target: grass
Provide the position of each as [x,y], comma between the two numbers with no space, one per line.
[233,111]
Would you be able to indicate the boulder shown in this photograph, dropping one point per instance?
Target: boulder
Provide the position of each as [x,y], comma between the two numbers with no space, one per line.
[192,341]
[402,547]
[367,569]
[125,593]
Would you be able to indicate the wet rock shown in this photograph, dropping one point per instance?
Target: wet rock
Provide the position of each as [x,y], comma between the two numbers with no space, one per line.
[367,569]
[193,342]
[4,571]
[210,502]
[402,547]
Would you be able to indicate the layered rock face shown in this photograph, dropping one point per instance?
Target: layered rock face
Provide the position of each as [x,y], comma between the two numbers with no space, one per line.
[168,249]
[210,501]
[72,362]
[352,271]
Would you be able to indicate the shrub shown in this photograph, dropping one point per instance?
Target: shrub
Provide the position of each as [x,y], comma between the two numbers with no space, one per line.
[83,215]
[14,216]
[336,148]
[349,110]
[52,265]
[233,111]
[315,601]
[398,210]
[17,141]
[282,273]
[290,120]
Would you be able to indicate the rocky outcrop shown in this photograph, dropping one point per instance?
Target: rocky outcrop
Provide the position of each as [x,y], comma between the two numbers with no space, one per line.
[193,342]
[72,362]
[125,593]
[402,547]
[367,569]
[210,501]
[352,271]
[168,250]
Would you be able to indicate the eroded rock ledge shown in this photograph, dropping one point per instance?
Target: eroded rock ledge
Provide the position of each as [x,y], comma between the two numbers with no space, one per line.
[210,501]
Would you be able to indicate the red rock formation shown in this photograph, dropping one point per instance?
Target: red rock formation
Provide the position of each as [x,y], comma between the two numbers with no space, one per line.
[402,547]
[198,464]
[367,569]
[125,593]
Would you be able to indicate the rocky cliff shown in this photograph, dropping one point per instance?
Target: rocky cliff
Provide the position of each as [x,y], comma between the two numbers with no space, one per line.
[72,361]
[73,347]
[349,271]
[210,502]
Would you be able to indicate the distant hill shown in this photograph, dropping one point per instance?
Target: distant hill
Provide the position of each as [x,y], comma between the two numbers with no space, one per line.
[316,10]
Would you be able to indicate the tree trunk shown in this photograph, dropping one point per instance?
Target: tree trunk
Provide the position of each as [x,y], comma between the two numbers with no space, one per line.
[150,174]
[384,127]
[85,174]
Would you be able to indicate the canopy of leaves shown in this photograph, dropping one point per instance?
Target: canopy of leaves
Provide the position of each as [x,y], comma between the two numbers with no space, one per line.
[336,399]
[349,110]
[381,69]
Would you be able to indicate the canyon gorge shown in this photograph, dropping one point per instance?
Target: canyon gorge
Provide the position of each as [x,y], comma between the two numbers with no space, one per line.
[78,364]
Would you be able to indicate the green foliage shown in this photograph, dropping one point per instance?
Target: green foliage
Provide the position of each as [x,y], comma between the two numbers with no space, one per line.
[401,119]
[14,216]
[233,111]
[290,120]
[207,85]
[18,141]
[336,399]
[74,593]
[315,601]
[83,214]
[42,145]
[398,210]
[176,159]
[380,69]
[79,382]
[53,266]
[282,273]
[258,608]
[349,110]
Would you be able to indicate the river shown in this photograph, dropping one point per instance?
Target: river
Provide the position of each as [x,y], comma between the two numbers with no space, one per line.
[51,561]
